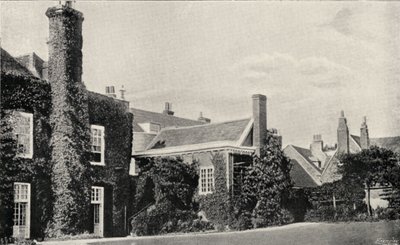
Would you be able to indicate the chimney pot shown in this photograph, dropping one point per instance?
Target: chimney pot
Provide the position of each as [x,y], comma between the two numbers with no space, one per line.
[167,109]
[203,119]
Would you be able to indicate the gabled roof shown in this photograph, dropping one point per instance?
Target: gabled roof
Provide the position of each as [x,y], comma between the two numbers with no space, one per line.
[356,139]
[9,65]
[391,143]
[142,116]
[34,64]
[217,132]
[304,173]
[306,153]
[300,176]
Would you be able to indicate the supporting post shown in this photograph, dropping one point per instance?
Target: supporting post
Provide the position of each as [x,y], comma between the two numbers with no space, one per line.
[369,200]
[125,220]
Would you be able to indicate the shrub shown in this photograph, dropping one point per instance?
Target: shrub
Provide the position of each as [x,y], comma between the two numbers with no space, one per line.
[387,213]
[171,184]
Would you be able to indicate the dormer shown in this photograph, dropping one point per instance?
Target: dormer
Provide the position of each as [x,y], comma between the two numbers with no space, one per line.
[150,127]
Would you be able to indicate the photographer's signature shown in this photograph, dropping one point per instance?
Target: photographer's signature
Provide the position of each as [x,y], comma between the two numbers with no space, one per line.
[387,241]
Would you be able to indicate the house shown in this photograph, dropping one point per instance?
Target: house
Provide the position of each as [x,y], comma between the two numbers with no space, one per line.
[318,164]
[65,151]
[234,141]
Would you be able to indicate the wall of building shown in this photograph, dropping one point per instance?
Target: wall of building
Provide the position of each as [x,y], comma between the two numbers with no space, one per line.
[114,176]
[33,96]
[30,96]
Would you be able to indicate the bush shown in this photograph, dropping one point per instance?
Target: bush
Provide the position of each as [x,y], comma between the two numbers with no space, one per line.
[287,217]
[387,213]
[346,213]
[164,219]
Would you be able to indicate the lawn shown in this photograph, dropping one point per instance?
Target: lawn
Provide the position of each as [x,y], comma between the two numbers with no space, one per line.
[300,233]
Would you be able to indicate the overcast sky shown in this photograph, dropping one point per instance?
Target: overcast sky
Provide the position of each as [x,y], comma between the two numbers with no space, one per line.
[311,59]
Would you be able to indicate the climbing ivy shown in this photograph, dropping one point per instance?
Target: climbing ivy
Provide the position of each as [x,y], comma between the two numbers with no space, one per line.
[32,96]
[114,176]
[217,205]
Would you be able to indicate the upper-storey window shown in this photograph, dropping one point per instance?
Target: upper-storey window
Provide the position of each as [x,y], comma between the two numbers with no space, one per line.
[97,145]
[23,132]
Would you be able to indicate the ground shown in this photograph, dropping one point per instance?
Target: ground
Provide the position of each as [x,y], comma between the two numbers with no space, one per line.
[299,233]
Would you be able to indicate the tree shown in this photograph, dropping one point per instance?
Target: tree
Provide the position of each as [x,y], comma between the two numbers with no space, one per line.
[267,183]
[165,187]
[371,167]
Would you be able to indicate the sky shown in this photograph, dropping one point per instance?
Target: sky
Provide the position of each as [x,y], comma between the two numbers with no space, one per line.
[311,59]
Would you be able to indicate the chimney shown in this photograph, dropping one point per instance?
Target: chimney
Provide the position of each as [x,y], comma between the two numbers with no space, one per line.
[167,109]
[203,119]
[317,149]
[65,44]
[343,134]
[260,121]
[69,116]
[364,136]
[275,134]
[122,90]
[110,91]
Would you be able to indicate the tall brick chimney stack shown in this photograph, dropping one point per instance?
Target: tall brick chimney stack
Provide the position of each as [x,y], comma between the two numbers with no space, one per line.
[260,121]
[364,136]
[69,120]
[343,134]
[65,44]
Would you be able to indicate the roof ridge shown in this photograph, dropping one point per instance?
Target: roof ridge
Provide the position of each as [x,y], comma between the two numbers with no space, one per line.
[203,125]
[387,137]
[160,113]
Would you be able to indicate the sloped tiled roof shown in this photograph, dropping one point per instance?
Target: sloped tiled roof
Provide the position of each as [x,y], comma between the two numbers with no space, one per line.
[306,153]
[216,132]
[142,116]
[391,143]
[11,66]
[300,177]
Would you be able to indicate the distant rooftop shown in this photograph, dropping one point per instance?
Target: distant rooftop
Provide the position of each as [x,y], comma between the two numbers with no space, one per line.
[164,120]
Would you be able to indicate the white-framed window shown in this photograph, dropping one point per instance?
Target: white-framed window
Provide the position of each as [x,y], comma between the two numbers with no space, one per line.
[97,145]
[133,168]
[97,196]
[206,180]
[22,214]
[23,133]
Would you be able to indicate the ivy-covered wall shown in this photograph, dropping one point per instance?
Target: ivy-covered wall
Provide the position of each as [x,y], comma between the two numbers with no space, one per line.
[31,96]
[114,176]
[34,96]
[217,204]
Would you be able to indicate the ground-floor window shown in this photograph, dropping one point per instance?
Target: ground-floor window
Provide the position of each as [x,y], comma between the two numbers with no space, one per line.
[21,217]
[206,180]
[97,201]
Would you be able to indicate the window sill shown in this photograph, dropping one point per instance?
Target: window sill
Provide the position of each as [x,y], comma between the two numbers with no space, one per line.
[205,193]
[29,156]
[97,163]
